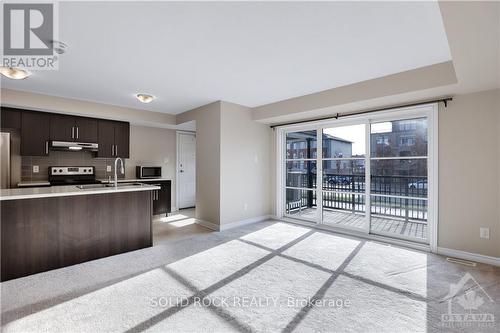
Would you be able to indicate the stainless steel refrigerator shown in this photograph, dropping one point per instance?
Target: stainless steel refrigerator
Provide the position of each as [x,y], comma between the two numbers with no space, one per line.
[4,160]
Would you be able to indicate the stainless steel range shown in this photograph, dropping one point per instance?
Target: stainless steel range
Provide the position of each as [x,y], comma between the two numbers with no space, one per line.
[72,175]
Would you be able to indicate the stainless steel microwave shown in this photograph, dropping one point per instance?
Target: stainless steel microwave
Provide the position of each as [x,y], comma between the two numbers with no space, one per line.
[142,172]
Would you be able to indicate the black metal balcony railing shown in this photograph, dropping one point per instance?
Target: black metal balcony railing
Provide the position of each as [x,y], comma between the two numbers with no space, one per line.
[405,206]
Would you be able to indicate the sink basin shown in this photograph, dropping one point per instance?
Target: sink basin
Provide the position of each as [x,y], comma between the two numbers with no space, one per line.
[95,186]
[126,184]
[91,186]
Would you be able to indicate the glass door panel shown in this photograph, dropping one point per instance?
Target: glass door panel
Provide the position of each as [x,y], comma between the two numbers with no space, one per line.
[343,178]
[399,179]
[300,175]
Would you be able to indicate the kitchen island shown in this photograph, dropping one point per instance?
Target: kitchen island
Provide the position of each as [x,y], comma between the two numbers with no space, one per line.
[52,227]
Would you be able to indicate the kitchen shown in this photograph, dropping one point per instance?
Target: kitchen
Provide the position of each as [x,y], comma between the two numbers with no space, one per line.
[66,197]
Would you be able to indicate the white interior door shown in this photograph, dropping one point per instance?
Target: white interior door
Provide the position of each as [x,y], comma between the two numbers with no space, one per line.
[186,169]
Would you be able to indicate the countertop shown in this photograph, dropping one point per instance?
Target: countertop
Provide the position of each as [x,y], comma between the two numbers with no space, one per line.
[61,191]
[34,183]
[134,180]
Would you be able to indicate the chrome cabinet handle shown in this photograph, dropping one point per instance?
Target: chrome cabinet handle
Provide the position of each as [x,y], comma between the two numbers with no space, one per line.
[73,132]
[46,147]
[116,150]
[112,150]
[77,132]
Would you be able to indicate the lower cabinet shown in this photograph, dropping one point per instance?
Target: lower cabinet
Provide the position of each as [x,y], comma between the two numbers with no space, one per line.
[162,198]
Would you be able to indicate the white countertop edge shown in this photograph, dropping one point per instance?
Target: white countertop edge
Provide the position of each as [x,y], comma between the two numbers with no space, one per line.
[134,180]
[76,191]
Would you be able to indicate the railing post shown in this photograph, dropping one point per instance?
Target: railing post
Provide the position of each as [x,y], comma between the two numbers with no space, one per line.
[309,175]
[406,200]
[353,199]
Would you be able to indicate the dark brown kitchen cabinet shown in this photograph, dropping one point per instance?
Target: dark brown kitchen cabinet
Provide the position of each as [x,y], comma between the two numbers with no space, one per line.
[86,129]
[62,128]
[114,139]
[74,129]
[162,197]
[10,118]
[122,139]
[35,133]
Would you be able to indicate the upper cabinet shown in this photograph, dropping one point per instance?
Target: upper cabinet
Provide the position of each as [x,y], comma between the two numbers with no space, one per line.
[39,128]
[35,133]
[114,139]
[70,128]
[10,118]
[86,129]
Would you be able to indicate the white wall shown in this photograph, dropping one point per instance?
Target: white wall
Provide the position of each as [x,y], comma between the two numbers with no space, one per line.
[40,102]
[208,122]
[246,148]
[153,146]
[469,173]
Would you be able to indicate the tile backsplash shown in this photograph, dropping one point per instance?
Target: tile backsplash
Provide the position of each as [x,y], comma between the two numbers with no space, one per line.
[65,158]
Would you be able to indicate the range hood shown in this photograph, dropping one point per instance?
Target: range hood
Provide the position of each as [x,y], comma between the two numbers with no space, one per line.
[73,146]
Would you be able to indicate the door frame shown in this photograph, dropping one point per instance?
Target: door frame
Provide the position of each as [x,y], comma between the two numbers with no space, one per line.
[177,183]
[430,111]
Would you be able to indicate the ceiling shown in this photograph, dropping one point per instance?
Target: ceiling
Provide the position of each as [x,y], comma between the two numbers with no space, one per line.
[250,53]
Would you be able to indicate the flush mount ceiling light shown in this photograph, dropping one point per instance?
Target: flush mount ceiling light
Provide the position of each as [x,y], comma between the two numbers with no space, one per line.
[145,98]
[59,47]
[14,73]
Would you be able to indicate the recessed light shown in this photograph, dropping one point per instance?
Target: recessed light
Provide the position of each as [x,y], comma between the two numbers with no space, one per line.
[145,98]
[14,73]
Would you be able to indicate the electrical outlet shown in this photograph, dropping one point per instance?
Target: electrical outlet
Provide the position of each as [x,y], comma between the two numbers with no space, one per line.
[36,169]
[108,168]
[484,233]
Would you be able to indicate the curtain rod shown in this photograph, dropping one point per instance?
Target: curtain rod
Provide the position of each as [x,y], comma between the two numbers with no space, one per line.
[444,100]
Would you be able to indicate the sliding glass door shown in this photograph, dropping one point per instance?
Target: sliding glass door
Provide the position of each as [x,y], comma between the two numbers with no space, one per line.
[399,182]
[301,175]
[374,175]
[344,174]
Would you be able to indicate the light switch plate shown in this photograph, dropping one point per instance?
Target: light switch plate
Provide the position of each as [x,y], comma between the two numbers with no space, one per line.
[108,168]
[484,233]
[36,169]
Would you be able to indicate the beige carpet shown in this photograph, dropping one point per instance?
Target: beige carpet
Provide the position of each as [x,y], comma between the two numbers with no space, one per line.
[265,277]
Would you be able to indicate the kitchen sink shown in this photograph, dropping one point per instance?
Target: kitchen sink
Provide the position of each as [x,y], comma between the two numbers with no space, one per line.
[91,186]
[96,186]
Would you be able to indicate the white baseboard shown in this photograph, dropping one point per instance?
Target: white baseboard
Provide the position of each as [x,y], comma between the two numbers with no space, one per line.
[469,256]
[227,226]
[209,225]
[240,223]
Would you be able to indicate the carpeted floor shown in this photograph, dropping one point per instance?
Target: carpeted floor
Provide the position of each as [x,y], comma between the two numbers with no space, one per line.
[265,277]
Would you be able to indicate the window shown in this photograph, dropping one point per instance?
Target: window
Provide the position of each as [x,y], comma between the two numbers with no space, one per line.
[407,141]
[407,125]
[382,140]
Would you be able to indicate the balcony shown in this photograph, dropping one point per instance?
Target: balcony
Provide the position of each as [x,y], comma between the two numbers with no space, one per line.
[398,203]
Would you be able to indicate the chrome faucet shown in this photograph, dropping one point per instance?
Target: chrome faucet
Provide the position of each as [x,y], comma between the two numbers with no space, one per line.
[122,170]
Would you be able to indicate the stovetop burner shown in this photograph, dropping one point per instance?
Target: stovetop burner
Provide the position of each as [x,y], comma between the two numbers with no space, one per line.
[72,175]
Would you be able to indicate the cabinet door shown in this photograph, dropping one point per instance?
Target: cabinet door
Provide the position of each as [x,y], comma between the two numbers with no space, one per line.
[86,129]
[35,133]
[10,118]
[161,198]
[106,138]
[122,139]
[62,128]
[165,197]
